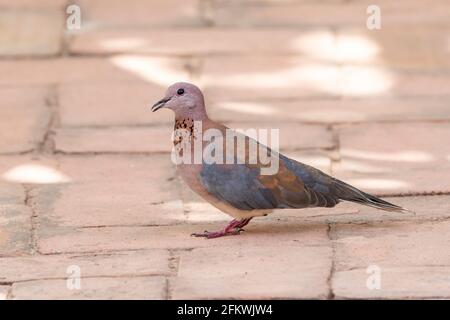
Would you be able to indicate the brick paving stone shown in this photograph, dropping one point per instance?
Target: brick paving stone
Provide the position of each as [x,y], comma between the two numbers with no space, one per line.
[129,69]
[268,77]
[396,283]
[11,193]
[426,208]
[31,33]
[332,110]
[158,139]
[4,292]
[259,233]
[111,104]
[392,244]
[148,288]
[395,158]
[140,13]
[112,190]
[247,272]
[334,13]
[132,263]
[292,136]
[412,258]
[31,4]
[28,117]
[30,169]
[131,140]
[191,41]
[395,47]
[15,229]
[428,84]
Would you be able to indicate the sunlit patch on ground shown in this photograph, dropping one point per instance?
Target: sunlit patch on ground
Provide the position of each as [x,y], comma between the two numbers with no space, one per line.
[34,173]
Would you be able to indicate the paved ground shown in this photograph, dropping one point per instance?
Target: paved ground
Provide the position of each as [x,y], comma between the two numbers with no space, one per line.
[87,186]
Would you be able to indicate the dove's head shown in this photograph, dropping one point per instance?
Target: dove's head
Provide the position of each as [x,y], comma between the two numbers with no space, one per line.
[185,99]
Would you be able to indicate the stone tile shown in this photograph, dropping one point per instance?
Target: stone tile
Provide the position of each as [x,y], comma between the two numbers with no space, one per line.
[190,41]
[140,13]
[15,229]
[158,139]
[396,283]
[237,273]
[114,140]
[412,258]
[332,13]
[426,208]
[428,84]
[31,4]
[11,193]
[31,33]
[4,292]
[392,244]
[112,190]
[151,288]
[395,47]
[292,136]
[57,240]
[111,104]
[132,263]
[129,69]
[332,110]
[268,77]
[30,169]
[24,118]
[395,158]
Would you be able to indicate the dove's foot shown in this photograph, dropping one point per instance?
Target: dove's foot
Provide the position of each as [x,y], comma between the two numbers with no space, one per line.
[233,228]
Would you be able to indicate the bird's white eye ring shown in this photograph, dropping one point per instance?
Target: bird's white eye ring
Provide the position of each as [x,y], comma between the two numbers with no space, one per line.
[180,91]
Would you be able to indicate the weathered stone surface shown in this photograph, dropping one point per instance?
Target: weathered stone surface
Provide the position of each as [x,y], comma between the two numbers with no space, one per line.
[192,41]
[141,13]
[291,136]
[30,169]
[332,110]
[4,292]
[426,208]
[112,190]
[268,77]
[396,283]
[127,263]
[29,32]
[57,240]
[392,244]
[395,47]
[15,229]
[395,158]
[11,193]
[111,104]
[130,69]
[247,272]
[332,13]
[28,117]
[92,288]
[115,140]
[31,4]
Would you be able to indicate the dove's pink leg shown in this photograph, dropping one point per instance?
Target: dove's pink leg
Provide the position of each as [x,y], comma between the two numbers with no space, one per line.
[233,228]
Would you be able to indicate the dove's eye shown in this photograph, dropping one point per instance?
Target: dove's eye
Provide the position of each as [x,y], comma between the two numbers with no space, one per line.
[180,92]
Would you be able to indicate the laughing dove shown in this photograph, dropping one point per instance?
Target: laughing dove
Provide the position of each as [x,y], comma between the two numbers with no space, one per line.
[241,188]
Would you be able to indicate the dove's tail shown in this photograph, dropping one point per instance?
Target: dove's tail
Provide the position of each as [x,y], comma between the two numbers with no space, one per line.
[349,193]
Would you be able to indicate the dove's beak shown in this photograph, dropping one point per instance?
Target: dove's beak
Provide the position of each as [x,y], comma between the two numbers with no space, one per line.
[160,104]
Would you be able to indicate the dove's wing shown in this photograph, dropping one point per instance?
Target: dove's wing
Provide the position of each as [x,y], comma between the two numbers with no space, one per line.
[295,185]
